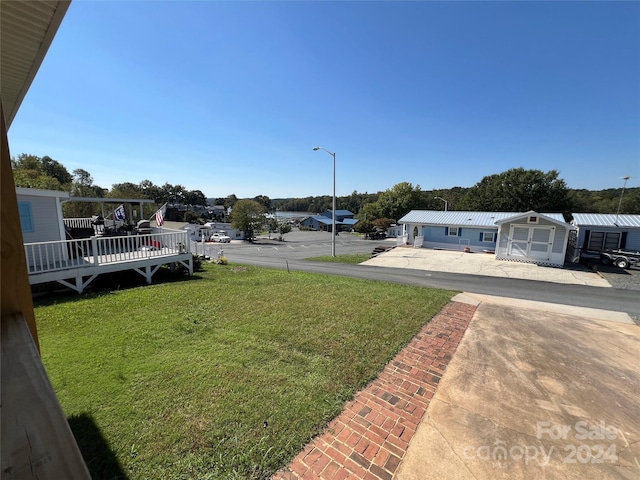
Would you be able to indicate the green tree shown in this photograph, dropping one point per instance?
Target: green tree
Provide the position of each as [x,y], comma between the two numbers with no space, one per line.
[393,203]
[83,186]
[383,223]
[283,228]
[230,201]
[364,226]
[195,197]
[519,190]
[248,216]
[31,171]
[191,217]
[264,201]
[152,191]
[55,169]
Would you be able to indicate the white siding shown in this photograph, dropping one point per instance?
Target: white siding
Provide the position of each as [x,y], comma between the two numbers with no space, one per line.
[46,223]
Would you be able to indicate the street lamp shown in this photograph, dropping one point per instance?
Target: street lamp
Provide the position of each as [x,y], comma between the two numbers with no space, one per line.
[446,204]
[625,178]
[333,214]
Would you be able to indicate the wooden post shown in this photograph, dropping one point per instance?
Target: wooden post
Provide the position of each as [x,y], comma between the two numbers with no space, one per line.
[37,442]
[14,276]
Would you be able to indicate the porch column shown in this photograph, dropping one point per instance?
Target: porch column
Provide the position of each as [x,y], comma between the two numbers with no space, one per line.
[16,292]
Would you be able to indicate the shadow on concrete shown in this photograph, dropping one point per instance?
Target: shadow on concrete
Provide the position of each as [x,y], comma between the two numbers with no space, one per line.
[99,458]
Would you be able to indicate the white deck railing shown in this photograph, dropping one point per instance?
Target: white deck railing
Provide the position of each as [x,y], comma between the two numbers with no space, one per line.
[66,254]
[84,222]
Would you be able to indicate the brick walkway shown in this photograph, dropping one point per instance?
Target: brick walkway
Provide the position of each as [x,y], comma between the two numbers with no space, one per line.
[369,438]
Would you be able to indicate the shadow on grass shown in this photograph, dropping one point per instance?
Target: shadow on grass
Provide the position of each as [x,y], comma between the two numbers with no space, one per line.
[107,283]
[100,460]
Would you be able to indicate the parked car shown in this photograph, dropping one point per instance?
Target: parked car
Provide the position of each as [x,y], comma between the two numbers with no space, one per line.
[220,237]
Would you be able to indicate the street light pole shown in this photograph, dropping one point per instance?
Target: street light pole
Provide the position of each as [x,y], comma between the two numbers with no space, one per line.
[625,178]
[333,213]
[446,204]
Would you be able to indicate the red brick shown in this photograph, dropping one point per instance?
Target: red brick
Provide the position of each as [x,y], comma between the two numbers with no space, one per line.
[341,474]
[371,451]
[361,445]
[309,475]
[394,449]
[381,457]
[320,463]
[397,430]
[374,438]
[392,463]
[298,467]
[330,470]
[381,473]
[312,456]
[354,469]
[336,455]
[353,439]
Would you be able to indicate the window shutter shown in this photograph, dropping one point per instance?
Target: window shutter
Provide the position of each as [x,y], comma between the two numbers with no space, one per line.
[459,232]
[480,236]
[623,241]
[446,231]
[587,234]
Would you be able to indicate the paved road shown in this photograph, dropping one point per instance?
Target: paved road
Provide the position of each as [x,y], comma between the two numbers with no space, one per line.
[301,245]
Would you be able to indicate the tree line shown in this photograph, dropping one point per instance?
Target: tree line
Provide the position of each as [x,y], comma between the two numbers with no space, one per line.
[515,190]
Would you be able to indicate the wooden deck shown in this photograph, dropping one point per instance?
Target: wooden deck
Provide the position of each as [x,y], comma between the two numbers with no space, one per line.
[76,263]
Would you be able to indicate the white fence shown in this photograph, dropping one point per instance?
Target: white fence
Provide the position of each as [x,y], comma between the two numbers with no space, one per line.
[65,254]
[418,241]
[401,240]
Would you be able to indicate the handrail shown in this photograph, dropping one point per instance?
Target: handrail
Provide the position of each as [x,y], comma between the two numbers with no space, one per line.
[66,254]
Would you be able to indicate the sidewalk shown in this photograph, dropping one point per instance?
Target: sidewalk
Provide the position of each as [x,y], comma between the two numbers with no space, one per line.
[533,390]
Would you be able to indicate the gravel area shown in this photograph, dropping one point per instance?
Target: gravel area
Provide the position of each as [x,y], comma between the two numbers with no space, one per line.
[619,278]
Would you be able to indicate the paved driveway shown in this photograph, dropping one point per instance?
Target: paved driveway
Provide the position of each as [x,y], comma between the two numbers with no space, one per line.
[483,264]
[534,391]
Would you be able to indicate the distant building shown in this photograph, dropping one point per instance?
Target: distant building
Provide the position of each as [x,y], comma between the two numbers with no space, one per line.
[529,237]
[345,221]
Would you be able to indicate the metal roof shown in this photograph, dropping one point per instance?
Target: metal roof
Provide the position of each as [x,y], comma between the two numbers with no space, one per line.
[606,220]
[460,219]
[26,32]
[321,219]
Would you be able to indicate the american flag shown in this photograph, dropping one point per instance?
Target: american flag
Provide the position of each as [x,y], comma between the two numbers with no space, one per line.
[160,215]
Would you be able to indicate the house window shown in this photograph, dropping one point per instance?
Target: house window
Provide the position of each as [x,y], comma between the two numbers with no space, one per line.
[532,219]
[604,241]
[26,216]
[453,231]
[488,237]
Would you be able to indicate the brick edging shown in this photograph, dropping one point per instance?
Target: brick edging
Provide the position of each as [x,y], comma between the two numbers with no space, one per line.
[369,438]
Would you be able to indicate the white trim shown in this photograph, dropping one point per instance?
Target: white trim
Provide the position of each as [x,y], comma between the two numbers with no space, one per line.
[494,236]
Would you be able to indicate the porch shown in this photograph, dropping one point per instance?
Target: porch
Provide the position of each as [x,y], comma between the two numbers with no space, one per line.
[76,263]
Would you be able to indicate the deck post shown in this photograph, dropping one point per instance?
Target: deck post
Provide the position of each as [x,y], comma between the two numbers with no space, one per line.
[94,251]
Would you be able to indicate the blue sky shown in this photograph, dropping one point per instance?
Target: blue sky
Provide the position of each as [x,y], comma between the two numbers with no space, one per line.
[231,97]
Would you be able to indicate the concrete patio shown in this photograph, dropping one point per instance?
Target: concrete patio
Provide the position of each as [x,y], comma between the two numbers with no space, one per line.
[483,264]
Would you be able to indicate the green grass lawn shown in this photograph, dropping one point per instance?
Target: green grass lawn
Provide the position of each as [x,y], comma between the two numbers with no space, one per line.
[352,258]
[227,375]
